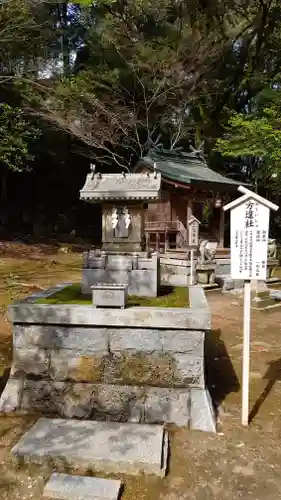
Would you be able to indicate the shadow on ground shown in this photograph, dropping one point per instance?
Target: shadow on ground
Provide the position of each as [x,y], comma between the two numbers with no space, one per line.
[273,374]
[221,378]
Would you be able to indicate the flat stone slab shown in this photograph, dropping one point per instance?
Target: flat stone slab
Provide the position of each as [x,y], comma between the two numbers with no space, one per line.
[105,446]
[66,487]
[195,317]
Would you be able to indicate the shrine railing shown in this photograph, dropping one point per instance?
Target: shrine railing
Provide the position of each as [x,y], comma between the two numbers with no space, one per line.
[165,226]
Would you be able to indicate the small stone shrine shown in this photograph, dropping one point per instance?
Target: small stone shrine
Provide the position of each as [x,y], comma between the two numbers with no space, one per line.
[122,259]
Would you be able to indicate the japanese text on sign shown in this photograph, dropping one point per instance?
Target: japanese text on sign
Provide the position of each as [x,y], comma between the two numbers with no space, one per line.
[249,239]
[193,233]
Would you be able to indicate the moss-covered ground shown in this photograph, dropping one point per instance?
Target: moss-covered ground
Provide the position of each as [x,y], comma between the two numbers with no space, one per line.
[168,297]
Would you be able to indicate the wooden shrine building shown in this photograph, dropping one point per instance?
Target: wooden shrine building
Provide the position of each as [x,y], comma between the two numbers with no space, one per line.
[189,187]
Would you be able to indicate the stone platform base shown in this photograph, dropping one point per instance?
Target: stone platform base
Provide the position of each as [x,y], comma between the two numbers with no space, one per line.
[96,446]
[140,364]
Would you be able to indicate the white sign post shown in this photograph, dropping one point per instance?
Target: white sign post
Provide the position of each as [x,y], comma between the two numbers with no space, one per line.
[249,225]
[193,243]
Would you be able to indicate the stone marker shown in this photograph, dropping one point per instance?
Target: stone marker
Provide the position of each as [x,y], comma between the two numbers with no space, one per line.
[108,446]
[66,487]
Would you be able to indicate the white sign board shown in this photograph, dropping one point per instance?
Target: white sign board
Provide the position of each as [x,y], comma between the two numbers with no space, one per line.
[249,224]
[193,232]
[249,219]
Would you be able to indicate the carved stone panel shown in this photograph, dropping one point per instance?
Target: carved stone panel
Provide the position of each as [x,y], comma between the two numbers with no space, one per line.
[128,233]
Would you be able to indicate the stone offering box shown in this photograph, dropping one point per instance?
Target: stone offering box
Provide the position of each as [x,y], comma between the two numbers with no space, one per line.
[109,295]
[138,364]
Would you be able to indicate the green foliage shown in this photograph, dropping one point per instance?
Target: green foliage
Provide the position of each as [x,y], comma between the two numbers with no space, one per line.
[15,136]
[257,136]
[253,136]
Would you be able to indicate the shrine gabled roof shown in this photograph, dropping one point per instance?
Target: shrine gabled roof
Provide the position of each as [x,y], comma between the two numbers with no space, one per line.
[123,186]
[185,168]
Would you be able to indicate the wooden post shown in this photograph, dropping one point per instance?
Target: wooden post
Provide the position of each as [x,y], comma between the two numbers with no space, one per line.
[246,352]
[147,240]
[166,241]
[221,229]
[188,212]
[157,241]
[191,281]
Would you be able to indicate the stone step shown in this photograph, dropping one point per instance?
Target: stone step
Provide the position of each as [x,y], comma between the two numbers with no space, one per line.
[66,487]
[96,446]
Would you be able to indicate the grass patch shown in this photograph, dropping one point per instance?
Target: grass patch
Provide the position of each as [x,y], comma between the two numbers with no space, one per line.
[168,297]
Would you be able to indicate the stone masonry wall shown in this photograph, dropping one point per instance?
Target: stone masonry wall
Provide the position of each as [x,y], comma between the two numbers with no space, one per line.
[123,374]
[162,358]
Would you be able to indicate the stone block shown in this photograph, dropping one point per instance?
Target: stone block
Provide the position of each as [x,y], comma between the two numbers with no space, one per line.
[157,369]
[119,403]
[11,397]
[143,283]
[174,274]
[30,361]
[66,487]
[119,262]
[66,366]
[140,368]
[189,370]
[109,295]
[134,339]
[169,406]
[42,396]
[167,279]
[63,399]
[146,264]
[80,339]
[75,400]
[183,341]
[93,261]
[102,446]
[202,416]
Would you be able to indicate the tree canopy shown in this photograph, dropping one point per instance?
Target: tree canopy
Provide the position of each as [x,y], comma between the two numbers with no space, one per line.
[110,79]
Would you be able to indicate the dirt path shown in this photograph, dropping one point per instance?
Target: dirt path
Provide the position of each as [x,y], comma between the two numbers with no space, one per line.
[236,463]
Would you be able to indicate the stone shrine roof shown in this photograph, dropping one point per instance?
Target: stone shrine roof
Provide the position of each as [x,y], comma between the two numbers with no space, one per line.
[187,168]
[124,186]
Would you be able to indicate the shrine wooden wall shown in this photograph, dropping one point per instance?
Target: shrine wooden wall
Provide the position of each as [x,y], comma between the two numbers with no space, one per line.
[161,210]
[179,207]
[172,206]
